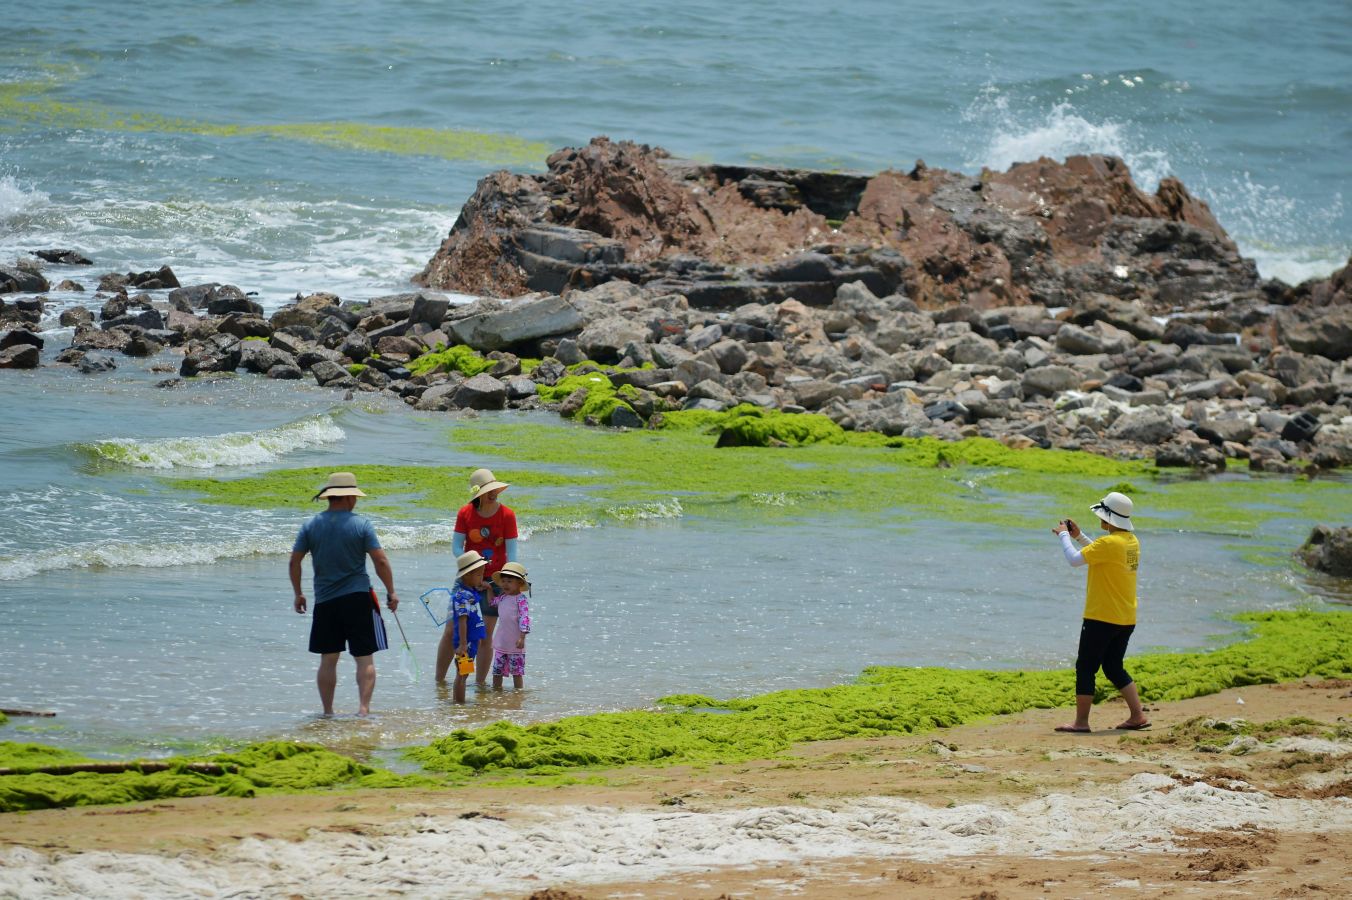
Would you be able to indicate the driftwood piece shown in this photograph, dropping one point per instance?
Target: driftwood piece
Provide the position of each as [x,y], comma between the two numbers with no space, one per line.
[117,767]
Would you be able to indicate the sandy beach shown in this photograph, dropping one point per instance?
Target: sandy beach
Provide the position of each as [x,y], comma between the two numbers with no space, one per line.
[1003,808]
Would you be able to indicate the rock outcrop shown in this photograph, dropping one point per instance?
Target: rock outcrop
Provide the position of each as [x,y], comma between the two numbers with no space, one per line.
[1042,232]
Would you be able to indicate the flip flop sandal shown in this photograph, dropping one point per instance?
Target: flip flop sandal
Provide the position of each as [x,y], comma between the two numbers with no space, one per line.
[1070,729]
[1128,727]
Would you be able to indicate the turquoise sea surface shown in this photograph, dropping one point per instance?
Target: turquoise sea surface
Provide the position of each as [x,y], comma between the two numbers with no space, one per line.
[288,147]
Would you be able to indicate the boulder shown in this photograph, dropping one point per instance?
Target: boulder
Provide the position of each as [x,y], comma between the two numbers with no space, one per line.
[17,279]
[518,323]
[604,340]
[20,356]
[1147,425]
[1329,549]
[1049,380]
[480,392]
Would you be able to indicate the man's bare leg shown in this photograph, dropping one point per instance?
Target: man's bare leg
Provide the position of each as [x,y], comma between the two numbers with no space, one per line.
[366,683]
[327,679]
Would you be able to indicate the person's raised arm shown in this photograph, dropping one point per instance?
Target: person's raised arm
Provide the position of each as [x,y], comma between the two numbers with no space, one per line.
[386,575]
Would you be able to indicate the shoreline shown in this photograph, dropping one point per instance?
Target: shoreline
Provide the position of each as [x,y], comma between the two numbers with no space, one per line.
[1000,804]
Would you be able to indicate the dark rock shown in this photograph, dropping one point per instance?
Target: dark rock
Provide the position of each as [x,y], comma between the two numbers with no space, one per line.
[480,392]
[1301,427]
[1329,549]
[75,316]
[17,279]
[624,417]
[20,336]
[139,343]
[93,365]
[947,411]
[68,285]
[63,257]
[327,373]
[20,356]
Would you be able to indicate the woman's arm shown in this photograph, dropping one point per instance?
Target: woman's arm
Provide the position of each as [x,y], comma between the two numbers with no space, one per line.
[1073,556]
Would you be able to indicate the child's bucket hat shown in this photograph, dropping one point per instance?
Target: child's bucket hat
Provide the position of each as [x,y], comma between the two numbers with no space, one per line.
[467,562]
[512,568]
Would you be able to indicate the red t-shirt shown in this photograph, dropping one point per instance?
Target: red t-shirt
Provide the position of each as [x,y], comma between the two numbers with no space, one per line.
[487,534]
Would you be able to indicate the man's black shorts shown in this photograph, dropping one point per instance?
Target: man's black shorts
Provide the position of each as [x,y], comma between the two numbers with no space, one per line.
[351,622]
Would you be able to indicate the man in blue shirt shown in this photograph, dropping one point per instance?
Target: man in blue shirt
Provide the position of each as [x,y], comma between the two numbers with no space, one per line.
[346,614]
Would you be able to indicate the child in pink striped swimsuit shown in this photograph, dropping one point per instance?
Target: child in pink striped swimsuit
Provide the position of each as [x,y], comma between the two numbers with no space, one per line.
[509,638]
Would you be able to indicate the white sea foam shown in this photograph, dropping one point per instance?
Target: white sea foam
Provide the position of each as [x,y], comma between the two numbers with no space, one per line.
[1063,132]
[427,855]
[115,554]
[14,199]
[275,248]
[171,552]
[239,448]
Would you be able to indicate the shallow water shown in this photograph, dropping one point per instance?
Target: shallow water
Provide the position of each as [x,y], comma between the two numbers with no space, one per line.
[292,147]
[149,622]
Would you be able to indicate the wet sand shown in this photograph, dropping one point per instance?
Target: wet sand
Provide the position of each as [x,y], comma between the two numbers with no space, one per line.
[1006,808]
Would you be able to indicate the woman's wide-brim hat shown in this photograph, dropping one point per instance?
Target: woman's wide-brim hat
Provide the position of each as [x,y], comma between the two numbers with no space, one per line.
[512,568]
[467,562]
[340,484]
[481,481]
[1115,509]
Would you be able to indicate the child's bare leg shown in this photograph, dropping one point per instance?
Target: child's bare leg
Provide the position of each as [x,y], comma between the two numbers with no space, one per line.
[458,692]
[518,681]
[484,658]
[497,682]
[445,652]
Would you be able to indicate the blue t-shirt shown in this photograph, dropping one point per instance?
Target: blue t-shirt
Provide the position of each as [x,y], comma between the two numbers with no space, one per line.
[338,541]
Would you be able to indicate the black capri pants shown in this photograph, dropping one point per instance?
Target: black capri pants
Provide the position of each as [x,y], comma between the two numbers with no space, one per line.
[1102,645]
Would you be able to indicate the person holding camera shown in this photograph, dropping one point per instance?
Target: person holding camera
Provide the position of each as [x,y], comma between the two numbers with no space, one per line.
[1109,607]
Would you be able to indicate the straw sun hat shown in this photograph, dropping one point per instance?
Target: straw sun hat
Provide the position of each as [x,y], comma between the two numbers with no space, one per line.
[481,481]
[467,562]
[512,568]
[1115,509]
[340,484]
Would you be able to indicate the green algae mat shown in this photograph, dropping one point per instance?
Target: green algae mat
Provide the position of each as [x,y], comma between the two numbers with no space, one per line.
[564,473]
[1282,646]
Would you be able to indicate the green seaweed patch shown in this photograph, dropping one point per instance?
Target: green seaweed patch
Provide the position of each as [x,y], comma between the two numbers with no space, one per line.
[391,490]
[458,358]
[1283,646]
[602,397]
[35,756]
[356,369]
[268,767]
[1213,735]
[27,102]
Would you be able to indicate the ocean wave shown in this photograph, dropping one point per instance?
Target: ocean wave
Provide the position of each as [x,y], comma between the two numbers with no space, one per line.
[162,554]
[14,199]
[1062,131]
[125,554]
[239,448]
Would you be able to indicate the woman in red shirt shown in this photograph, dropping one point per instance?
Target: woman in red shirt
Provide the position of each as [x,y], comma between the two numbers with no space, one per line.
[487,526]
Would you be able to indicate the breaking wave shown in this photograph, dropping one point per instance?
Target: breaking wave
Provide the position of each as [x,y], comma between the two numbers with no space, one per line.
[238,448]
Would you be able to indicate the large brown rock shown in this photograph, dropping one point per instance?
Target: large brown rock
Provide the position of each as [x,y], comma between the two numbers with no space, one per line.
[723,236]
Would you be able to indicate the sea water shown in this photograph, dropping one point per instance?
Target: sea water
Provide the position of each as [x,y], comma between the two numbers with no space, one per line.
[289,147]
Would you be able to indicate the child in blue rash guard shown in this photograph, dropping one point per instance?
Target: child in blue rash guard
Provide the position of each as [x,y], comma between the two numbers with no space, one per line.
[464,622]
